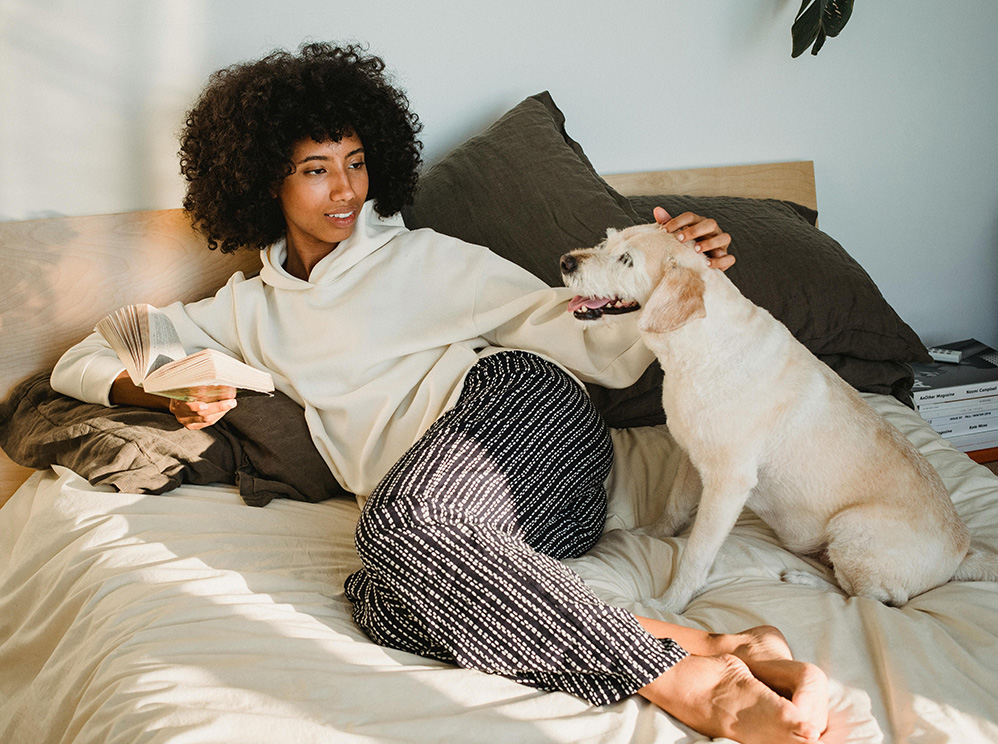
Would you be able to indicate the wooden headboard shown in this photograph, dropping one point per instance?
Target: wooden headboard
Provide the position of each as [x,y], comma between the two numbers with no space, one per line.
[63,274]
[792,181]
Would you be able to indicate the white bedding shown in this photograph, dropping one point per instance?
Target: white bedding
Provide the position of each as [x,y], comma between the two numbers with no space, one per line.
[194,618]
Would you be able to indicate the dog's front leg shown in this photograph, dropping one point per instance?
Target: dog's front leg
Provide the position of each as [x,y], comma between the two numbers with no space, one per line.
[681,501]
[720,506]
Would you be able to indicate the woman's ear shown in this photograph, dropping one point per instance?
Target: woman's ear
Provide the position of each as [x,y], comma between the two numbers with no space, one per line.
[677,299]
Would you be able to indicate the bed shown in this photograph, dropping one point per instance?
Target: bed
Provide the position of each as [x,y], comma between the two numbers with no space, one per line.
[157,588]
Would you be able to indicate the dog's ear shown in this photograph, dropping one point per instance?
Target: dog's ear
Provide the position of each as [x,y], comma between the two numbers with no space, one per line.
[677,299]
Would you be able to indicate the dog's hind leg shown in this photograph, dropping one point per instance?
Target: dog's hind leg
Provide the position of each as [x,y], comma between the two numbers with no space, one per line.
[874,554]
[720,506]
[681,501]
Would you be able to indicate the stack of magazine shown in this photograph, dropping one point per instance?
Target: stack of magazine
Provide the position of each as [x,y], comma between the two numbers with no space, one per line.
[960,401]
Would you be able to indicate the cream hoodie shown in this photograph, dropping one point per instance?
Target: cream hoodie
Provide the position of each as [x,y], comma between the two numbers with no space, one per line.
[376,344]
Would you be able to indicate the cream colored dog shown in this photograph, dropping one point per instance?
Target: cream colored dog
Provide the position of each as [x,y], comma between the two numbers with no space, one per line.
[767,425]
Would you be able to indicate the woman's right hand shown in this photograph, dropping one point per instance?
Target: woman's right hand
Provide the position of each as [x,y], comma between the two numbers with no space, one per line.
[208,405]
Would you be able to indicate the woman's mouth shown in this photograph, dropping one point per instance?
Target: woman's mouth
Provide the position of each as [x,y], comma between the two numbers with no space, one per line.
[342,218]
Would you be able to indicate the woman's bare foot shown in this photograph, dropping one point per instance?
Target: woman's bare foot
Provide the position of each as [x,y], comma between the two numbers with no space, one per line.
[719,696]
[805,685]
[766,654]
[762,642]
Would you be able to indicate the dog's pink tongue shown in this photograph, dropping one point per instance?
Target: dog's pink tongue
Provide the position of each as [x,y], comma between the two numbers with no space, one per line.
[589,302]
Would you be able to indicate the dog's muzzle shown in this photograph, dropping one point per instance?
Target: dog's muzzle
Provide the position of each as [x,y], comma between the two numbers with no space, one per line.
[569,264]
[591,308]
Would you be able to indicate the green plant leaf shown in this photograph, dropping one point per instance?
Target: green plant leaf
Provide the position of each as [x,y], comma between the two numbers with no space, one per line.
[816,21]
[836,16]
[806,26]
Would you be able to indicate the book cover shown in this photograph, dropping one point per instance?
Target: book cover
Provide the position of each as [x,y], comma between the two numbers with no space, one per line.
[935,409]
[975,376]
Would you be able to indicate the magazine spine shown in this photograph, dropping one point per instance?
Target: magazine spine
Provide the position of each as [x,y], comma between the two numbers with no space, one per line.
[956,392]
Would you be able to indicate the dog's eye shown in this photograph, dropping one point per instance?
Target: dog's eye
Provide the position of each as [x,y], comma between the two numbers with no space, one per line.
[625,258]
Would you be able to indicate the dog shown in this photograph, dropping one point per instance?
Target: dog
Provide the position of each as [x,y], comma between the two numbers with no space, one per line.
[765,424]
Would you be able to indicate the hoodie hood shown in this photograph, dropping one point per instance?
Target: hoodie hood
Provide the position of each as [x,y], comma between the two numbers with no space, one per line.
[371,232]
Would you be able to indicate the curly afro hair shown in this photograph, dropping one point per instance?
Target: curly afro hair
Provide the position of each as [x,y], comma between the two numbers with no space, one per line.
[236,146]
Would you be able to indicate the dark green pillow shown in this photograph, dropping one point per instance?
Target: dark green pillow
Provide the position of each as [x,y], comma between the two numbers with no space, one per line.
[812,285]
[523,188]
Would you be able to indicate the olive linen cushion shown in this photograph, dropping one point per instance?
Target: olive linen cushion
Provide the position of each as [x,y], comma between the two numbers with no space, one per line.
[811,284]
[526,189]
[523,188]
[262,445]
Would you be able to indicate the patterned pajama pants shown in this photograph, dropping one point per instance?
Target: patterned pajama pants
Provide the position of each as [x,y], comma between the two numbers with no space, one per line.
[461,541]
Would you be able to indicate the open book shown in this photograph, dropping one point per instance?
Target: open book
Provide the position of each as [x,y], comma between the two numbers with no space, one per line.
[148,345]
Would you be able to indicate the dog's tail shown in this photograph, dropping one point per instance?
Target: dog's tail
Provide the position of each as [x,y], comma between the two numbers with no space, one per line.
[978,565]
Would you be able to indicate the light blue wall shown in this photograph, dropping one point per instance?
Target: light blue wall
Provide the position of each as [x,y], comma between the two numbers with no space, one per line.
[898,113]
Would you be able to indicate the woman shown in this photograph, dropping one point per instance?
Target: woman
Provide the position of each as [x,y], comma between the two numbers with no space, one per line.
[453,400]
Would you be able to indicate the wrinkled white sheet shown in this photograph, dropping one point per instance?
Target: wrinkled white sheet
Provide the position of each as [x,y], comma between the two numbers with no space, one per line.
[193,618]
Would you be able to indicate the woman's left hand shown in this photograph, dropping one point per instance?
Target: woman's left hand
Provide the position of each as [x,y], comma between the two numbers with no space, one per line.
[709,238]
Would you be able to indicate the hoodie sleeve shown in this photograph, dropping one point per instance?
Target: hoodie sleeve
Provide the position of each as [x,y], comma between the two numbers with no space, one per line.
[516,310]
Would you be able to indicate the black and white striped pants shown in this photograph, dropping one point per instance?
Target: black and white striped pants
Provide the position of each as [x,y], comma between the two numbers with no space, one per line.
[461,541]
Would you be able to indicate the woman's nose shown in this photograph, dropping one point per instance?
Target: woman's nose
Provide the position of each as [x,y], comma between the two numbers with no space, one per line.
[341,190]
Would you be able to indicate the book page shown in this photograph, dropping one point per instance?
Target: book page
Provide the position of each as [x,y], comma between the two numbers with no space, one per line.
[121,336]
[162,340]
[143,338]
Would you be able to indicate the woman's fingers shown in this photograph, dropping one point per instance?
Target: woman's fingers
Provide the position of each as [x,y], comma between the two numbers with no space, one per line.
[709,239]
[197,414]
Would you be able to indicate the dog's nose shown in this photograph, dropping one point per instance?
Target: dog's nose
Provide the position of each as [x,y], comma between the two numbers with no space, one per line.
[568,264]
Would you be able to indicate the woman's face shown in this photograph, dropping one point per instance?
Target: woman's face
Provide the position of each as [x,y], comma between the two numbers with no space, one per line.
[322,198]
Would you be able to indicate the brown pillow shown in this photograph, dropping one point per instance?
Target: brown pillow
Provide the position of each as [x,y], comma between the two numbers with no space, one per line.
[812,285]
[523,188]
[262,445]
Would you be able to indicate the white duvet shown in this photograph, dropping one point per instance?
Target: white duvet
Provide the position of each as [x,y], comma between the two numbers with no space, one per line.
[191,617]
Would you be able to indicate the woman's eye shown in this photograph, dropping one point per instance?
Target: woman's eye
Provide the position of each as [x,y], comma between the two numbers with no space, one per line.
[315,171]
[358,165]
